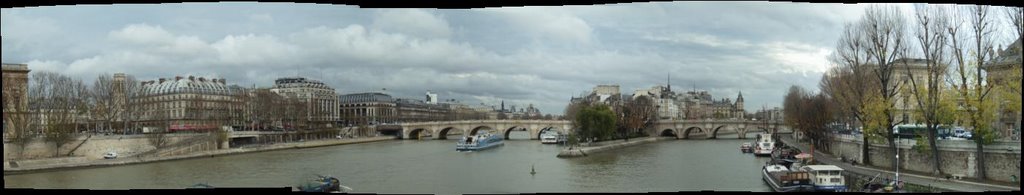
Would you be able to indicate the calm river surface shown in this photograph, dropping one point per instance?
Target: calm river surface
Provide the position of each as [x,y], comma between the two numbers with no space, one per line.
[435,167]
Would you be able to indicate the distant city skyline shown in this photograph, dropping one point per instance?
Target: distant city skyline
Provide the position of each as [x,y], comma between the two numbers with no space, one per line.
[532,55]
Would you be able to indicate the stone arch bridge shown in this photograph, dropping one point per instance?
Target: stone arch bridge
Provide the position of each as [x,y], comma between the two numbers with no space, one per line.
[712,129]
[681,129]
[441,130]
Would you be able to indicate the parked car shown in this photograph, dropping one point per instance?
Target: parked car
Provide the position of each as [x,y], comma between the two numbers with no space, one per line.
[962,133]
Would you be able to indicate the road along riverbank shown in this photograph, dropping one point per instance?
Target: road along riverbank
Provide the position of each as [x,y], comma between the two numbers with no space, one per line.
[577,152]
[64,164]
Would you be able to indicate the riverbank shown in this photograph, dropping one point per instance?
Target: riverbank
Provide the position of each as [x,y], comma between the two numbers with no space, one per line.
[941,184]
[586,151]
[83,164]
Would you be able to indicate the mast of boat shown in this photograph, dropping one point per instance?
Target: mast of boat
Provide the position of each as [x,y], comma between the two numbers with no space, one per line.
[533,169]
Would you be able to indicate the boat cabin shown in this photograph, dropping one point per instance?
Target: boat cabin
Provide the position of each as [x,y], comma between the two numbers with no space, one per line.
[786,177]
[826,177]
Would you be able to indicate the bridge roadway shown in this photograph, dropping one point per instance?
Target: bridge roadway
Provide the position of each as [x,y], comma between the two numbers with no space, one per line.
[681,129]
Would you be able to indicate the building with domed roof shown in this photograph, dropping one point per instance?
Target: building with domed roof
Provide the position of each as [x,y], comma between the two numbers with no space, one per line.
[189,104]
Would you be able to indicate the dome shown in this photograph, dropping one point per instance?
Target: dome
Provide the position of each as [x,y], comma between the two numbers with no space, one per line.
[189,85]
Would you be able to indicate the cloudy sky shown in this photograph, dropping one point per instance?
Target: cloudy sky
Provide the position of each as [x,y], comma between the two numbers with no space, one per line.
[533,55]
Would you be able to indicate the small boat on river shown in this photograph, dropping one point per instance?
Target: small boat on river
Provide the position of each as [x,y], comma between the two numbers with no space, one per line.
[747,148]
[324,184]
[480,142]
[550,137]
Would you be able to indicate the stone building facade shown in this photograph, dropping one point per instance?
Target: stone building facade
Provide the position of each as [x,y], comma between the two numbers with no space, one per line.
[1002,71]
[694,105]
[15,93]
[906,102]
[189,104]
[410,110]
[321,100]
[367,109]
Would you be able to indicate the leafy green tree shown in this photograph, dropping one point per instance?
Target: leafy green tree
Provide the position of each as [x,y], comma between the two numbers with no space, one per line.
[596,121]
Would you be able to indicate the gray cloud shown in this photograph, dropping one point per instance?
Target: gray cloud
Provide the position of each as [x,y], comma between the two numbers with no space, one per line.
[533,55]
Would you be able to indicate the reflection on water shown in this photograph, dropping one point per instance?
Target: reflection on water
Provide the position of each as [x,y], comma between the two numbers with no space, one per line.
[435,167]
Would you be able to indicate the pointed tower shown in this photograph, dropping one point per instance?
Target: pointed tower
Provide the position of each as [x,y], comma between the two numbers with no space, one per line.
[739,101]
[739,105]
[669,81]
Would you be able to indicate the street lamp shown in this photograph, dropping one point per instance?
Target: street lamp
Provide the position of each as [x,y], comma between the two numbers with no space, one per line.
[897,163]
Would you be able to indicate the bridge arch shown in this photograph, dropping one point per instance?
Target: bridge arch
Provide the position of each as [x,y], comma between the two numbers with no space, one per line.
[714,133]
[509,131]
[559,129]
[756,131]
[443,133]
[688,131]
[481,127]
[670,133]
[415,133]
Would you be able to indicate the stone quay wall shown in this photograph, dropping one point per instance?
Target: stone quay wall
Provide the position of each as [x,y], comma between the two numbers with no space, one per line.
[93,149]
[606,146]
[958,157]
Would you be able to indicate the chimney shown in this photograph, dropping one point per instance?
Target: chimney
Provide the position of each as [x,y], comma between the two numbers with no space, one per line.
[177,78]
[162,80]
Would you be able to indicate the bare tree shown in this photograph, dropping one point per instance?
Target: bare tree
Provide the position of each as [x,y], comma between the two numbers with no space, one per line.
[638,113]
[971,86]
[810,114]
[885,32]
[931,23]
[132,109]
[1015,16]
[60,100]
[158,136]
[854,86]
[105,106]
[792,104]
[296,112]
[266,108]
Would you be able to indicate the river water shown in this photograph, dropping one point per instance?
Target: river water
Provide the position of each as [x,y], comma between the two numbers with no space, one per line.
[434,167]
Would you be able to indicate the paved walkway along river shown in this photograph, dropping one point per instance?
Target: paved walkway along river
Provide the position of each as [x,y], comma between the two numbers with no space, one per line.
[946,185]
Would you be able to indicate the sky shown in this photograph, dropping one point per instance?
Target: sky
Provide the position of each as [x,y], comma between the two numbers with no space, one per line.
[524,55]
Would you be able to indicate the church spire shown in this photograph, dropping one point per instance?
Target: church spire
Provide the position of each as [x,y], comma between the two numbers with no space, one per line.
[669,81]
